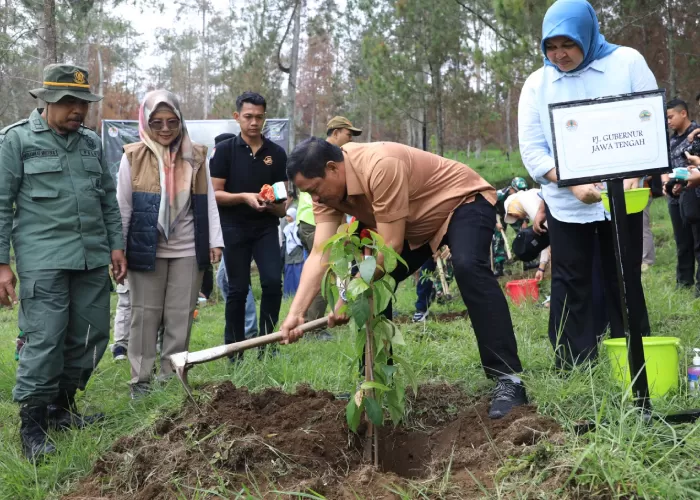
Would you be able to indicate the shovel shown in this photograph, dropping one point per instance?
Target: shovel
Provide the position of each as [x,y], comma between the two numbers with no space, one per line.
[505,240]
[443,280]
[183,361]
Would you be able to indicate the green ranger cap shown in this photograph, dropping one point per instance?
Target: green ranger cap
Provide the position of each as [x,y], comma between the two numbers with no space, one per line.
[341,122]
[61,80]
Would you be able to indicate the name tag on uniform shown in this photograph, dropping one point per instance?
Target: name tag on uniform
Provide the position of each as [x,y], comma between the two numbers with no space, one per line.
[40,153]
[85,152]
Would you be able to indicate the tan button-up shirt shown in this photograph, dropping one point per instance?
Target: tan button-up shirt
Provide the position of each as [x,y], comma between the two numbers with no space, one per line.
[387,182]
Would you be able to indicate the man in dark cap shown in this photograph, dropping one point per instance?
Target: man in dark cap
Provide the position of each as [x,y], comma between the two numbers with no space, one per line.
[339,131]
[58,203]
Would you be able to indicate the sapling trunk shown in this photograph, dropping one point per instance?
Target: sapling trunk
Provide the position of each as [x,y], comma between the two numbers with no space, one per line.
[361,293]
[372,446]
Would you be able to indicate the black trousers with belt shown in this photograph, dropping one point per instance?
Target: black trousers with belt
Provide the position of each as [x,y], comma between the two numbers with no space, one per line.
[574,326]
[242,244]
[469,238]
[687,237]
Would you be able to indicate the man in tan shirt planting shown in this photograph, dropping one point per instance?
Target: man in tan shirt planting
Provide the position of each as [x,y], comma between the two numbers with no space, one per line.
[417,201]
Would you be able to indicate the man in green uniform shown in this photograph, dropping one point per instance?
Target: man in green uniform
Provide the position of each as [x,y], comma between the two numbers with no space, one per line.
[498,244]
[58,201]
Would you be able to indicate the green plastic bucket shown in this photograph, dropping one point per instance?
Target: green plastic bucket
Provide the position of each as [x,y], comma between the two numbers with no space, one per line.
[661,357]
[635,200]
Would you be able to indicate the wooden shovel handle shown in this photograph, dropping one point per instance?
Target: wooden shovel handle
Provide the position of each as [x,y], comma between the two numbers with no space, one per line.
[194,358]
[441,272]
[505,239]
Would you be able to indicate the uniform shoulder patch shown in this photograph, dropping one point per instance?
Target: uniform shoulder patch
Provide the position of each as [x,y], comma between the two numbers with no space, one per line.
[5,130]
[16,124]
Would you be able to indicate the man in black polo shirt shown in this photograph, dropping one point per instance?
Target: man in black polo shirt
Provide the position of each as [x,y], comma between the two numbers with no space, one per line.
[239,167]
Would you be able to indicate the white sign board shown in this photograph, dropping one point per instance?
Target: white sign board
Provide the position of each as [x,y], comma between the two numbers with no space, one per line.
[610,138]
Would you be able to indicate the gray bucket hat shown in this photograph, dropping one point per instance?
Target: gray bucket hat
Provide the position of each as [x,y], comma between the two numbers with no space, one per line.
[61,80]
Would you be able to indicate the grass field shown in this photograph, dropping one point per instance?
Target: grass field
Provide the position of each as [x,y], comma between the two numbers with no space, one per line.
[493,165]
[623,459]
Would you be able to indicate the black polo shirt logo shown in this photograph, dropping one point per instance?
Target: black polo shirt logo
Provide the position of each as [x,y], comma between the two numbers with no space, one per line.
[268,160]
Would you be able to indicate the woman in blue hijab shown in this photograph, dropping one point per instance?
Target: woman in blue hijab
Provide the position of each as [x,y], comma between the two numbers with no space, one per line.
[579,64]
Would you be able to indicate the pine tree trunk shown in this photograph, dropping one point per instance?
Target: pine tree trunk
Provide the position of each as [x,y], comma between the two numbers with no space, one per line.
[313,117]
[205,66]
[6,17]
[47,33]
[369,124]
[126,80]
[422,79]
[670,42]
[97,110]
[13,109]
[509,139]
[100,86]
[437,89]
[293,70]
[477,73]
[469,142]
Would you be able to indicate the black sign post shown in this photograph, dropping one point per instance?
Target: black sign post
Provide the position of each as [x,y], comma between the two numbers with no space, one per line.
[635,347]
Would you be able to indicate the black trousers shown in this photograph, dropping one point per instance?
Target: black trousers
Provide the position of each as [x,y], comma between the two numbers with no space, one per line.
[241,243]
[687,238]
[574,324]
[469,238]
[208,282]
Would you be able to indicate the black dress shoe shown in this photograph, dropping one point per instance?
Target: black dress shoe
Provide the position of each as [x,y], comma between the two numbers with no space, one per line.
[506,396]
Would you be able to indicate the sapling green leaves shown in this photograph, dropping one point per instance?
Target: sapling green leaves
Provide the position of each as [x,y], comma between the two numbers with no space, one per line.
[367,294]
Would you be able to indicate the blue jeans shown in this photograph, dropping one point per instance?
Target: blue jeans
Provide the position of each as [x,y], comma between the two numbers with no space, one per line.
[251,316]
[424,288]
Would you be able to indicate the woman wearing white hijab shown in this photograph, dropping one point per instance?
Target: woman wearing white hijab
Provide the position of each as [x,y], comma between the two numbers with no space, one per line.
[172,232]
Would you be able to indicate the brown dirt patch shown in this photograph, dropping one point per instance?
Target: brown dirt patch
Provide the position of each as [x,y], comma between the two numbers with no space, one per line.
[272,442]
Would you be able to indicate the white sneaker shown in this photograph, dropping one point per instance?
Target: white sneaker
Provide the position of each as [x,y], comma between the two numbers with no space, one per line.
[420,316]
[119,353]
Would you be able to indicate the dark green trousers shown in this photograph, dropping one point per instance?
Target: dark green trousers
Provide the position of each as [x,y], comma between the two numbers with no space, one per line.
[65,318]
[499,248]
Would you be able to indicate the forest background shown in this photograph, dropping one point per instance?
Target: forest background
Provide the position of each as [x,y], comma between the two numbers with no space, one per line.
[440,74]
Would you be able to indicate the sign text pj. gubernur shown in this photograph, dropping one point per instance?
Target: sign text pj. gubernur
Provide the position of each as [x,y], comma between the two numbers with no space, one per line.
[618,141]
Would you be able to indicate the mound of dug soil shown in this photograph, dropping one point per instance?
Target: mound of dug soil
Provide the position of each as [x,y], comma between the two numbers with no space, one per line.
[273,442]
